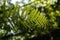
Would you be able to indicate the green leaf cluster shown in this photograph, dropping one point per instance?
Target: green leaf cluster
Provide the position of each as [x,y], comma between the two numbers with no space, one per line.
[30,21]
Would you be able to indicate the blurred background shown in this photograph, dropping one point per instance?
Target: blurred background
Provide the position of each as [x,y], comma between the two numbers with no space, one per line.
[29,19]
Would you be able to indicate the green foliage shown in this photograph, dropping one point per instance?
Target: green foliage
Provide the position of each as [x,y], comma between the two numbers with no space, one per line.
[32,21]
